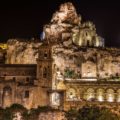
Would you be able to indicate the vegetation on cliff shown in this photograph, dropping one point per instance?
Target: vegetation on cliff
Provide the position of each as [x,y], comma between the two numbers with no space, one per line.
[91,113]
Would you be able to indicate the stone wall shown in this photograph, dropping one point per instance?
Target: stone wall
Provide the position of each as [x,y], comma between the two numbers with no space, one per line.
[87,63]
[18,72]
[57,115]
[21,51]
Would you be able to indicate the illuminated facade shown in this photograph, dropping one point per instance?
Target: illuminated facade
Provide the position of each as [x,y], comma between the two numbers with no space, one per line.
[69,67]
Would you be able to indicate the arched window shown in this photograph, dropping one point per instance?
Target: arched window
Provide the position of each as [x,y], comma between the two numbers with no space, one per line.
[110,95]
[45,54]
[26,95]
[7,96]
[27,80]
[89,94]
[55,99]
[7,89]
[100,95]
[118,95]
[71,94]
[44,72]
[88,43]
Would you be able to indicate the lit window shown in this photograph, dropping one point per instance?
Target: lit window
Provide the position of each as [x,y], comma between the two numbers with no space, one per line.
[100,95]
[110,98]
[110,95]
[89,94]
[55,99]
[100,98]
[71,94]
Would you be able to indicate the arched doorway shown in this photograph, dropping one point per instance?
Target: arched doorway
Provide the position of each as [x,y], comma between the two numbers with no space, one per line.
[55,99]
[100,95]
[7,96]
[71,94]
[110,96]
[118,95]
[89,94]
[88,43]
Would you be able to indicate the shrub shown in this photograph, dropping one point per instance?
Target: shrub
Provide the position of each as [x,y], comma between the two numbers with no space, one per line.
[91,113]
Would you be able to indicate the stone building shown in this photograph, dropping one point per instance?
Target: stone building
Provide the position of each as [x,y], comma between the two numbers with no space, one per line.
[69,68]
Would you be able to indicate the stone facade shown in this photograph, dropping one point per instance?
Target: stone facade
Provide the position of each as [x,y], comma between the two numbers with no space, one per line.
[22,51]
[17,84]
[57,115]
[69,68]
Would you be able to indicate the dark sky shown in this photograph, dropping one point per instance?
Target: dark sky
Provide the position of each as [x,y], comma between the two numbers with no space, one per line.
[25,19]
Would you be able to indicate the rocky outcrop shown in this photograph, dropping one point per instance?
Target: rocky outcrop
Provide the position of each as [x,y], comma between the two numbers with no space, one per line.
[87,62]
[63,22]
[66,28]
[22,51]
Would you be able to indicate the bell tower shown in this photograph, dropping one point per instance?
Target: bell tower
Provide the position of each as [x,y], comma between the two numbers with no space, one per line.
[44,66]
[44,73]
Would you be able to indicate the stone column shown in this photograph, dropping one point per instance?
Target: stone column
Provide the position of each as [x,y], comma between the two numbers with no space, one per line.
[1,94]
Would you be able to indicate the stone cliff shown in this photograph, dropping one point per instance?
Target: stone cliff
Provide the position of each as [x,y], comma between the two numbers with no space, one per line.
[77,63]
[20,51]
[67,25]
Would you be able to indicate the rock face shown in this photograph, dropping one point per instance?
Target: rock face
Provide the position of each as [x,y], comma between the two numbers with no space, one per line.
[62,23]
[66,14]
[22,51]
[66,25]
[87,36]
[65,28]
[78,52]
[87,63]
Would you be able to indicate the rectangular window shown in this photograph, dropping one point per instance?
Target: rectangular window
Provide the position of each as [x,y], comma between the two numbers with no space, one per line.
[26,94]
[45,55]
[27,79]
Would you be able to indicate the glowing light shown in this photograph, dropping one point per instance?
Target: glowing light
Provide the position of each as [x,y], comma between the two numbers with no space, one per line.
[90,96]
[71,94]
[110,98]
[42,36]
[100,98]
[3,46]
[110,95]
[55,99]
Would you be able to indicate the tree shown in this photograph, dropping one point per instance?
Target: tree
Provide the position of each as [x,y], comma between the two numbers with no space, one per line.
[71,114]
[91,113]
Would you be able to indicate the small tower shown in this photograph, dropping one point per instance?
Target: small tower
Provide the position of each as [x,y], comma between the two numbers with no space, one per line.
[44,74]
[44,66]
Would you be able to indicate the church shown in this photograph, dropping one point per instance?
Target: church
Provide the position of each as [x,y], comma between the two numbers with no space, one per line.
[69,67]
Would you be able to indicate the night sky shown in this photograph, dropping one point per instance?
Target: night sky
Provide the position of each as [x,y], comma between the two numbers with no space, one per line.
[26,19]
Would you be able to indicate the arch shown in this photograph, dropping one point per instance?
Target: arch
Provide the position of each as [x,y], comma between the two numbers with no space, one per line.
[89,94]
[88,43]
[118,95]
[7,88]
[55,99]
[45,54]
[45,72]
[71,94]
[100,94]
[7,96]
[110,96]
